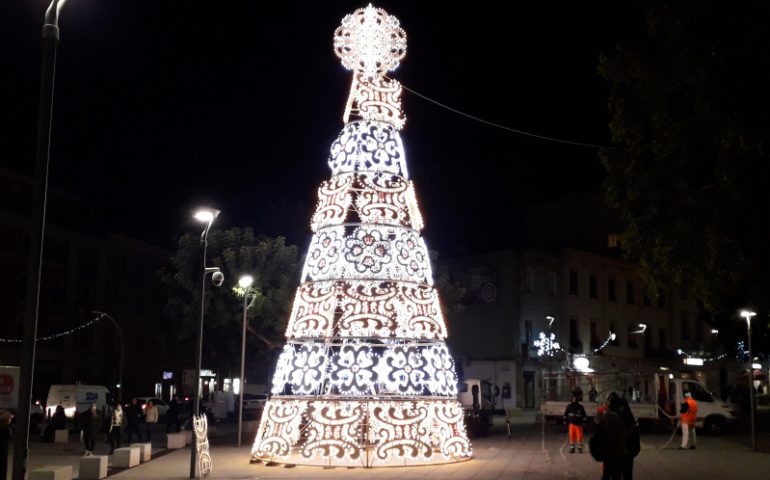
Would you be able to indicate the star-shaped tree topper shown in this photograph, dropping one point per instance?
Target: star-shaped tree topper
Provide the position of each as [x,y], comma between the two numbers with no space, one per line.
[370,41]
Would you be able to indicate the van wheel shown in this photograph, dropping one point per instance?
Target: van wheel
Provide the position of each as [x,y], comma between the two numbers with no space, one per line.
[716,426]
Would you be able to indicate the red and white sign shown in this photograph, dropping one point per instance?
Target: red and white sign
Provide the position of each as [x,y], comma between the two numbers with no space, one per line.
[9,387]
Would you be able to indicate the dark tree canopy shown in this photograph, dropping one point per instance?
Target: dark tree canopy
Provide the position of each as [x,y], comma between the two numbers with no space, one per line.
[690,121]
[275,268]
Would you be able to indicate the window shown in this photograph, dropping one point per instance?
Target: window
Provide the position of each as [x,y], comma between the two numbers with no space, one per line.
[613,240]
[685,322]
[592,290]
[528,333]
[630,297]
[574,336]
[529,280]
[697,392]
[662,338]
[661,299]
[646,298]
[573,283]
[553,284]
[611,290]
[594,335]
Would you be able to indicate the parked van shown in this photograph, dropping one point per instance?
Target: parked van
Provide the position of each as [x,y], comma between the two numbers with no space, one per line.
[77,398]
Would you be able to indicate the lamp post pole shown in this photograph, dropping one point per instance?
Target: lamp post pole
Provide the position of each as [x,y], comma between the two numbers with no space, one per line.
[245,282]
[208,216]
[122,352]
[747,314]
[37,236]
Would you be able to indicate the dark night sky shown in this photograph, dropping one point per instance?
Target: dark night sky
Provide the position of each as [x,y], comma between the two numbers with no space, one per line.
[161,106]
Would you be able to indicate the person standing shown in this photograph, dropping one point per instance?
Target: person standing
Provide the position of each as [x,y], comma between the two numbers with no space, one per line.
[172,415]
[574,417]
[89,423]
[688,413]
[133,417]
[633,443]
[608,444]
[116,424]
[150,418]
[6,419]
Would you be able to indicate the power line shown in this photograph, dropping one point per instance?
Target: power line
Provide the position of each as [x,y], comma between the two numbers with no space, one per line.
[502,127]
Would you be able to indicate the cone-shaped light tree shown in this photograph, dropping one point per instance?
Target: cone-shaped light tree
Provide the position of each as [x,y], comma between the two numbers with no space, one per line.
[365,378]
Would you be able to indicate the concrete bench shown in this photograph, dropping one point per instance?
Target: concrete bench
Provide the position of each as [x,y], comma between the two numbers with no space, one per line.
[93,467]
[61,436]
[52,473]
[188,434]
[126,457]
[145,450]
[175,440]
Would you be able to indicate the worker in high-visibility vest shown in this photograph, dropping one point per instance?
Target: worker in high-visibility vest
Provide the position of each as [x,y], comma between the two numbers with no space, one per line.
[574,417]
[687,416]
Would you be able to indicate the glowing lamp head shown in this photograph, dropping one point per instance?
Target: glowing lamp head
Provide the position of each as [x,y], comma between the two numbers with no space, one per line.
[581,363]
[747,314]
[613,336]
[206,215]
[246,281]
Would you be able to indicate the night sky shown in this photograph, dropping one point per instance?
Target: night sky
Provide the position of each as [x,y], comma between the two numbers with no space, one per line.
[161,106]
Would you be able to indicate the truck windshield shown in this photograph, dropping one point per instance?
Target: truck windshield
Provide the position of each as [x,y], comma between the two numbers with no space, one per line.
[697,392]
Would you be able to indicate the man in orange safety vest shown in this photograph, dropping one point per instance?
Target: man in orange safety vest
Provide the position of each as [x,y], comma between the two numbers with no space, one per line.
[688,415]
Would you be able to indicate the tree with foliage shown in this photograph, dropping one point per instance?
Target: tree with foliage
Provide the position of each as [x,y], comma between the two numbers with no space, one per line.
[275,269]
[690,124]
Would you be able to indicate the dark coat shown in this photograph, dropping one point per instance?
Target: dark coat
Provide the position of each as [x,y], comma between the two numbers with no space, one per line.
[575,414]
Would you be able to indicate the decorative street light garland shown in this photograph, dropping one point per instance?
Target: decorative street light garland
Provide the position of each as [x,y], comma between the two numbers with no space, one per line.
[57,335]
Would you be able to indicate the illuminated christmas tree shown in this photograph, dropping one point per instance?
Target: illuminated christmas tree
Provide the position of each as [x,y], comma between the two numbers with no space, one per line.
[365,378]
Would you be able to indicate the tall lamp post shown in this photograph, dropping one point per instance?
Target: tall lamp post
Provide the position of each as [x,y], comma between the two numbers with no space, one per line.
[122,352]
[206,216]
[37,235]
[245,282]
[747,314]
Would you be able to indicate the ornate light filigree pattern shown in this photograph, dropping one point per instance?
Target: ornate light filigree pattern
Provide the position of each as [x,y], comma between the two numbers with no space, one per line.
[370,252]
[345,309]
[370,41]
[392,432]
[377,198]
[365,146]
[358,369]
[365,378]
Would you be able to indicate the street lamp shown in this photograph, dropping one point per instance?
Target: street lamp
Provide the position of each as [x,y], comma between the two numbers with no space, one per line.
[245,282]
[747,314]
[37,236]
[207,216]
[122,352]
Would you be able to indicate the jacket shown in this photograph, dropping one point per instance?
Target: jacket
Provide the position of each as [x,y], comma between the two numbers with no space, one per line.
[575,414]
[151,414]
[690,414]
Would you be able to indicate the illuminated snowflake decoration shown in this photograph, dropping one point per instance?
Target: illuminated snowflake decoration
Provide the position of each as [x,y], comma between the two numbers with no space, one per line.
[547,345]
[370,41]
[365,378]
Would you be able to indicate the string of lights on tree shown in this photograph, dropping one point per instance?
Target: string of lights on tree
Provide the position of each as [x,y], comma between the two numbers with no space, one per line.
[56,336]
[365,378]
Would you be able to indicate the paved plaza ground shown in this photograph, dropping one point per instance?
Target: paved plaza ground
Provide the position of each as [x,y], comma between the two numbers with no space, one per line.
[532,453]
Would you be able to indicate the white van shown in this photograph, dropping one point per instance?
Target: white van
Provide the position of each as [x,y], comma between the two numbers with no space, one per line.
[76,398]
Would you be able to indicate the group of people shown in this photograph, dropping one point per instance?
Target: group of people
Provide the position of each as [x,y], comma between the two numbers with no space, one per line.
[616,441]
[135,415]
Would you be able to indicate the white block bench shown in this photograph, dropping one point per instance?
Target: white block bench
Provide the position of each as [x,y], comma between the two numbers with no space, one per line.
[187,436]
[175,440]
[93,467]
[52,473]
[61,436]
[145,451]
[126,457]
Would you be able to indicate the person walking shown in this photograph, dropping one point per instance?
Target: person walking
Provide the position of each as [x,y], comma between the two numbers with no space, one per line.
[633,443]
[172,415]
[133,415]
[116,424]
[608,445]
[6,419]
[89,423]
[150,418]
[574,417]
[688,413]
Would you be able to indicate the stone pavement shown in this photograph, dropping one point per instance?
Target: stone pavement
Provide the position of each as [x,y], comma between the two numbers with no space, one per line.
[528,455]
